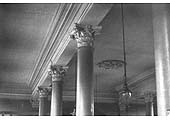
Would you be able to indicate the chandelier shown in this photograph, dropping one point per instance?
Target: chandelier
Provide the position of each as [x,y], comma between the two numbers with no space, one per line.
[125,94]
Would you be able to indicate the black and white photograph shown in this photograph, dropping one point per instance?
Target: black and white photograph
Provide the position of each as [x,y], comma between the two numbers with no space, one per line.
[84,59]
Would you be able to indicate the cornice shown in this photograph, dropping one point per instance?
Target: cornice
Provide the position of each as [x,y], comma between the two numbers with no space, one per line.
[12,90]
[63,21]
[54,26]
[101,97]
[108,99]
[15,96]
[59,37]
[20,89]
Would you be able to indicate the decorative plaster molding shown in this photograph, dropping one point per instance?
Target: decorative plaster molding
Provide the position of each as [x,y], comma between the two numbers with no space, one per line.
[57,72]
[15,96]
[56,25]
[14,90]
[65,17]
[101,97]
[58,37]
[110,64]
[43,91]
[84,34]
[87,17]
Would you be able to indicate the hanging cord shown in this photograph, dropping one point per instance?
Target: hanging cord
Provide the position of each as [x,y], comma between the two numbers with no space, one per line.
[124,46]
[124,56]
[96,88]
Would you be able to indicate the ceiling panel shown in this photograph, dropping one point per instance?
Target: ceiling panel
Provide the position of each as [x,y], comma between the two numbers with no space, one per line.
[22,34]
[139,42]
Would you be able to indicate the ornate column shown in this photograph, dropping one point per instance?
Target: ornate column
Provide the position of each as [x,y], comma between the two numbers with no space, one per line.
[57,73]
[43,101]
[161,31]
[84,35]
[149,98]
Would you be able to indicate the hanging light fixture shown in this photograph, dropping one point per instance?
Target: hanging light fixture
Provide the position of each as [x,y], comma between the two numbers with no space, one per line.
[126,93]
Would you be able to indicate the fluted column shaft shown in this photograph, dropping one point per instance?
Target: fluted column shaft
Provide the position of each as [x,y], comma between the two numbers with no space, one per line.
[161,32]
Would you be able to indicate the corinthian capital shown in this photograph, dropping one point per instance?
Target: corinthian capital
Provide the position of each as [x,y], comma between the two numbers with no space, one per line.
[43,92]
[84,34]
[57,72]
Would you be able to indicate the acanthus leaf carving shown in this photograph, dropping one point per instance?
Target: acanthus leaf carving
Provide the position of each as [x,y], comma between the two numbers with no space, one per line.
[43,91]
[84,34]
[57,72]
